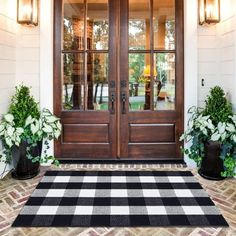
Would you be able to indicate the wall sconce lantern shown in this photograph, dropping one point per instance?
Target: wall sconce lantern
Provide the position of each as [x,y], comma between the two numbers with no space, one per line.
[209,11]
[27,12]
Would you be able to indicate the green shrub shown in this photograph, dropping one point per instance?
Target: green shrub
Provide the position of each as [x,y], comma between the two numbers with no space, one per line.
[23,105]
[217,106]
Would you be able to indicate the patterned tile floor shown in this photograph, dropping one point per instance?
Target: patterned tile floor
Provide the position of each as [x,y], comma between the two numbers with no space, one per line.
[14,194]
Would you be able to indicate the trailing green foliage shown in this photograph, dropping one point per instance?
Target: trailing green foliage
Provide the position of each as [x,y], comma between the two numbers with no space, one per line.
[25,123]
[217,106]
[216,122]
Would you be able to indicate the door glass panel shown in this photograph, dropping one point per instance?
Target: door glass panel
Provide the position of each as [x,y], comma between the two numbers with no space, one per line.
[73,81]
[164,82]
[164,24]
[139,25]
[97,25]
[139,81]
[97,81]
[73,24]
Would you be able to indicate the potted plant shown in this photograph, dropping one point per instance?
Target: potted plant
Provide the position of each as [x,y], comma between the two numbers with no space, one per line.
[211,132]
[23,130]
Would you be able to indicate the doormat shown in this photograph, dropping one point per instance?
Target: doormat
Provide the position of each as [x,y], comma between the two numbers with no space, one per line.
[119,199]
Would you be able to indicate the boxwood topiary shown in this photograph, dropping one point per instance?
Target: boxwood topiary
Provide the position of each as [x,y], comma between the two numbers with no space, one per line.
[217,106]
[23,105]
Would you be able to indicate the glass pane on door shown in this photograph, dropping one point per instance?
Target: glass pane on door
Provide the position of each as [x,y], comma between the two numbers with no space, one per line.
[139,82]
[139,25]
[73,25]
[164,24]
[73,81]
[97,25]
[97,81]
[164,81]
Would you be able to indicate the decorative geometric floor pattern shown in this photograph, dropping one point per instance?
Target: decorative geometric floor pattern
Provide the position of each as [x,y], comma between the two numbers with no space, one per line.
[14,194]
[119,199]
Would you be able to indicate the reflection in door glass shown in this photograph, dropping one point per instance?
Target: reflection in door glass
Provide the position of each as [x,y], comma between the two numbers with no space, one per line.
[139,81]
[139,25]
[97,25]
[97,81]
[73,81]
[164,24]
[73,25]
[164,82]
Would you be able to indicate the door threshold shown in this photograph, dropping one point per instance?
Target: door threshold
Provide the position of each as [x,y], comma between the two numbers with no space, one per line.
[122,161]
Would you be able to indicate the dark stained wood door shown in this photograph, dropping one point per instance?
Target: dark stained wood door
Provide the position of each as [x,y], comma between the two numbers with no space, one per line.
[85,76]
[118,78]
[156,84]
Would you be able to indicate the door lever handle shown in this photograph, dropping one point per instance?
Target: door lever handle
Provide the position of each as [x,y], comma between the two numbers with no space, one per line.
[123,101]
[112,100]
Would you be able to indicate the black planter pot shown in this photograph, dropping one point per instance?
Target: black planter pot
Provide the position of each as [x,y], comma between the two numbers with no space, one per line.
[212,165]
[23,167]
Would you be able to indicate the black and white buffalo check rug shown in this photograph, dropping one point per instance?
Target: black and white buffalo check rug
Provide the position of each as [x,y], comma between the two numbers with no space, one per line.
[118,199]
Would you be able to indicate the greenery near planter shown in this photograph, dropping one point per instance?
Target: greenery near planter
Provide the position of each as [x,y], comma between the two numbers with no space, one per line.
[24,123]
[216,122]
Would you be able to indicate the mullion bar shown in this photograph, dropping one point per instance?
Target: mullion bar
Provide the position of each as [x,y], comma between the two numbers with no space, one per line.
[151,59]
[85,58]
[154,51]
[83,51]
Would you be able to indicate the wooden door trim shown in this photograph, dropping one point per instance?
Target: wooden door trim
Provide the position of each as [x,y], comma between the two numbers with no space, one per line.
[113,72]
[123,69]
[57,67]
[180,73]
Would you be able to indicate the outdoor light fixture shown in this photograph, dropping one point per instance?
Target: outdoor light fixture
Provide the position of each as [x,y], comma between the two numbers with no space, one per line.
[27,12]
[209,11]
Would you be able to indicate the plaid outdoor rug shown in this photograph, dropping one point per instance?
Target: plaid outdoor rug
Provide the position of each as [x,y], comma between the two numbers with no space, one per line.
[117,199]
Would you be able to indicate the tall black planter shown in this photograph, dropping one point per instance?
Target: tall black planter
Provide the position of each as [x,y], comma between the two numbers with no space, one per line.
[212,165]
[23,167]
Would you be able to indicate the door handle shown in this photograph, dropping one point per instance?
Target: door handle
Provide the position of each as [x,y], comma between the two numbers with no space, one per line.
[112,99]
[123,100]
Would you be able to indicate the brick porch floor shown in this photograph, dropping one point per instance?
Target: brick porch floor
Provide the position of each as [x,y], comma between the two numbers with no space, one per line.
[14,194]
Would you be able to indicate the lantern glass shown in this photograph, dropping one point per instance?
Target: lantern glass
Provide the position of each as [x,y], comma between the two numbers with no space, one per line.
[27,12]
[209,11]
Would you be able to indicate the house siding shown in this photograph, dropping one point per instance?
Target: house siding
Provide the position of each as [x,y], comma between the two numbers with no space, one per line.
[217,54]
[227,49]
[8,35]
[27,57]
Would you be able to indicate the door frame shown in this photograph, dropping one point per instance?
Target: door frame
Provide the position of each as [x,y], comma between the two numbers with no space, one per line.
[190,58]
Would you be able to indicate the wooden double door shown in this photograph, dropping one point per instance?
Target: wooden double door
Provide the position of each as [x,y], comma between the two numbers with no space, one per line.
[118,78]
